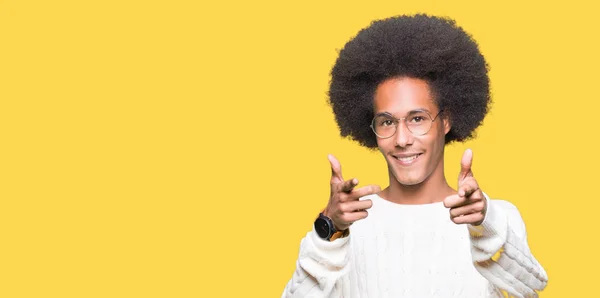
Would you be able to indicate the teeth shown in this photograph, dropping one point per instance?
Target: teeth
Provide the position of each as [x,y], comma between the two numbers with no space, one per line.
[407,159]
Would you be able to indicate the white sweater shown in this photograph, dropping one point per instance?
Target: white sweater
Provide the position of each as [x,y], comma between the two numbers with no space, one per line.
[417,251]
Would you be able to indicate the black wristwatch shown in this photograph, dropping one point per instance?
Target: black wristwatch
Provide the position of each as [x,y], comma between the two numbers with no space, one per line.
[326,229]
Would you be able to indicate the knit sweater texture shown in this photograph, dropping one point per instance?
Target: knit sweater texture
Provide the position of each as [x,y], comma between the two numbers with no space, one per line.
[417,251]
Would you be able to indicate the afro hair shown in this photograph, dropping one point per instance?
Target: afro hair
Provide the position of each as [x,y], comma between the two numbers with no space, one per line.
[426,47]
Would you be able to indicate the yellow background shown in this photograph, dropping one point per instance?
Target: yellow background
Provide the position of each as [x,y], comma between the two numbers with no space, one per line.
[179,149]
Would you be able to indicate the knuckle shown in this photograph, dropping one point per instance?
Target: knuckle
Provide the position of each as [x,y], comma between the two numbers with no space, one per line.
[334,199]
[479,206]
[469,182]
[358,195]
[364,214]
[335,187]
[345,218]
[346,197]
[453,213]
[343,207]
[334,213]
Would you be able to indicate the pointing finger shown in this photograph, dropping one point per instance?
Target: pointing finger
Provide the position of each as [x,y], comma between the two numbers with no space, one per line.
[336,169]
[365,191]
[454,201]
[465,165]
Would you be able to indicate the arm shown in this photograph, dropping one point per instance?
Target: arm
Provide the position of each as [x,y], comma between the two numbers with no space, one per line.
[503,232]
[321,269]
[322,266]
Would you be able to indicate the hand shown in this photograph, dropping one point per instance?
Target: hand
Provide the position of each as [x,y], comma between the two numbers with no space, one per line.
[344,206]
[469,205]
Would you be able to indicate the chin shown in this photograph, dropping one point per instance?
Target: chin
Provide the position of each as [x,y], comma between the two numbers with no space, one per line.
[409,180]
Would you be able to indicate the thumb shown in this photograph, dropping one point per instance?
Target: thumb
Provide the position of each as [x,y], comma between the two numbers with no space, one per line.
[465,165]
[336,169]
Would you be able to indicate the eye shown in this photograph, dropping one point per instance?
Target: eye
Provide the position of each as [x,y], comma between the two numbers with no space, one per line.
[387,122]
[417,119]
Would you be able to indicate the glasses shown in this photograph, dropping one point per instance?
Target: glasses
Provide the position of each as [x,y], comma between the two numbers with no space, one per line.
[418,123]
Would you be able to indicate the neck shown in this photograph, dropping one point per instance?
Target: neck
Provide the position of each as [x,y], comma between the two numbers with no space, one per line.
[432,190]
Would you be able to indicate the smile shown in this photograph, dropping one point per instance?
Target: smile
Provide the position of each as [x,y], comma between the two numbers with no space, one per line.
[407,160]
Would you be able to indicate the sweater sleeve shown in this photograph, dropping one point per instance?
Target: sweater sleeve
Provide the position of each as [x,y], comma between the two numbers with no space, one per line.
[321,270]
[503,234]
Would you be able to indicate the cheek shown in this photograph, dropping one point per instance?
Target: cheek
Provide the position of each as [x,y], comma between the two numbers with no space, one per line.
[432,143]
[384,145]
[438,135]
[437,145]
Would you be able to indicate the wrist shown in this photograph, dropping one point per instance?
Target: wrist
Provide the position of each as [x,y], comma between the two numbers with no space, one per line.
[327,229]
[335,225]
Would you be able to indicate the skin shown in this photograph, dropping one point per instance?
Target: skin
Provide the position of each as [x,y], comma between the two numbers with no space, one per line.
[421,182]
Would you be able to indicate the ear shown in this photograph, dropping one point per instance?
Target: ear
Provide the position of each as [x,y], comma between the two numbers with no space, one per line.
[446,123]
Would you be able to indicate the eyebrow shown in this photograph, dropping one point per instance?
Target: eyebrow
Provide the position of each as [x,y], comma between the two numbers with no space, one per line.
[409,113]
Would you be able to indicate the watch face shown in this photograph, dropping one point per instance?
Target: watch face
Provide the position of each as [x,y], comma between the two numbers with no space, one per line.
[322,228]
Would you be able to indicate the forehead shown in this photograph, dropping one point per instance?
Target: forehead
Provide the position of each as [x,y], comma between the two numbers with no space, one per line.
[398,96]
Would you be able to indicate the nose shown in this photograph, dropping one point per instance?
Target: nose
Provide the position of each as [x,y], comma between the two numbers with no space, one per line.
[403,136]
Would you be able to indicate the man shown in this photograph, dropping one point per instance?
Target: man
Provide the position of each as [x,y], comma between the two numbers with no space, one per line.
[408,86]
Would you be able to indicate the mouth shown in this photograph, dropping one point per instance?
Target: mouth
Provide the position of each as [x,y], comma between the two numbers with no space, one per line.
[407,160]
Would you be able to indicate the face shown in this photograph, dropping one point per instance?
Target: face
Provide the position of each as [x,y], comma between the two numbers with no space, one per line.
[411,159]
